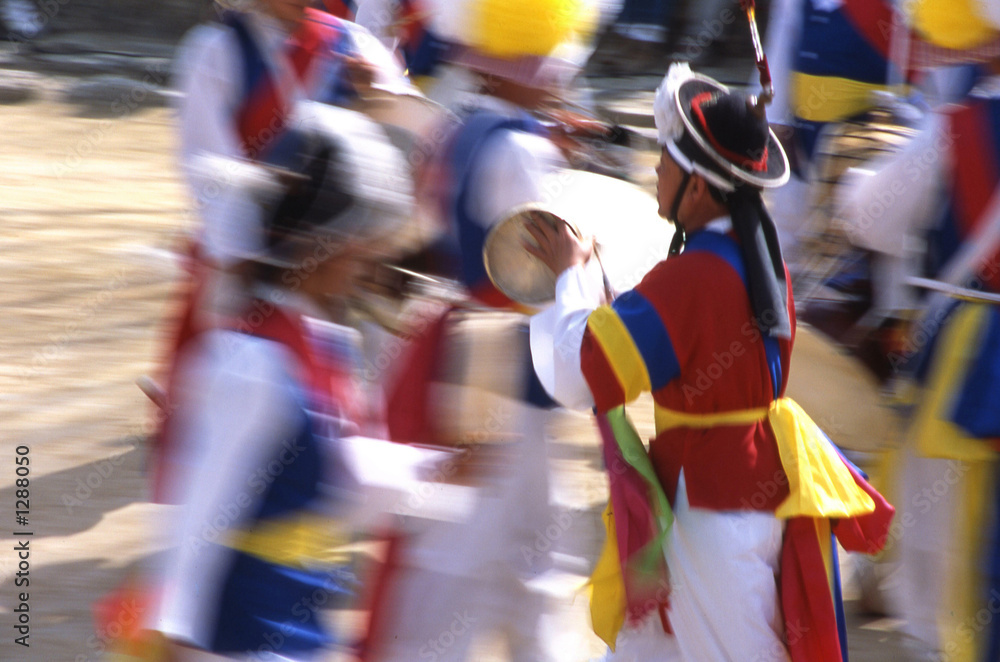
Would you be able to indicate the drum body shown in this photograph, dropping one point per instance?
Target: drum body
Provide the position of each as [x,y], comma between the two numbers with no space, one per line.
[631,237]
[842,145]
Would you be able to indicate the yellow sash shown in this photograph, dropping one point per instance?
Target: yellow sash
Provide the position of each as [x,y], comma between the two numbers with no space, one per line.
[301,540]
[819,483]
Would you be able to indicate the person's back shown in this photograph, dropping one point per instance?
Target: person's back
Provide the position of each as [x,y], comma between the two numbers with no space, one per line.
[728,365]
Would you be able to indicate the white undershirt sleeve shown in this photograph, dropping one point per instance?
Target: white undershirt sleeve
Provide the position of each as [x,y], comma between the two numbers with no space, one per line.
[509,173]
[206,74]
[557,336]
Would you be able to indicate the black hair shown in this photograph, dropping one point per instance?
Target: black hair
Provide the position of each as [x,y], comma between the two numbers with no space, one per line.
[718,194]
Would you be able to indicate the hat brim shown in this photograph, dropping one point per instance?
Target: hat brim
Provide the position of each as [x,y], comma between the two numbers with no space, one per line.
[776,172]
[542,72]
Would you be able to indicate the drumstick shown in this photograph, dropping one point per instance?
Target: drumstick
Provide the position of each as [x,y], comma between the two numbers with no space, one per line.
[954,291]
[152,390]
[750,7]
[609,293]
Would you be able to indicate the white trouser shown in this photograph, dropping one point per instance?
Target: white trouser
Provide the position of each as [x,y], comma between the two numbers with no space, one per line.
[459,579]
[724,603]
[924,550]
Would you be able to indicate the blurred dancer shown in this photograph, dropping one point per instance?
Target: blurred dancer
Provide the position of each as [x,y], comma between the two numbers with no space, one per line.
[828,59]
[451,582]
[931,210]
[759,495]
[241,79]
[346,9]
[262,405]
[636,39]
[404,27]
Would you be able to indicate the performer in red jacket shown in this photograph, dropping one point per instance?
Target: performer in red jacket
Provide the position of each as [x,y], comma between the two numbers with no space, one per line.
[756,491]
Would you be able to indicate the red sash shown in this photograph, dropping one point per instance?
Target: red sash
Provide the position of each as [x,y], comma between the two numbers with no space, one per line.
[329,382]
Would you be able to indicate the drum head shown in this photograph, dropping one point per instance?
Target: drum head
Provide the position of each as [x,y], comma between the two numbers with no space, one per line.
[517,273]
[631,237]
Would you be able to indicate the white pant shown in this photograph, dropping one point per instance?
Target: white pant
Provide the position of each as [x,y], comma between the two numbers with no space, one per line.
[460,579]
[724,603]
[925,551]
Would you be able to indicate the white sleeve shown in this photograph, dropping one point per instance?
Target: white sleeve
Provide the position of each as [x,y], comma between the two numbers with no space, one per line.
[207,75]
[508,173]
[242,410]
[388,71]
[888,205]
[378,17]
[557,336]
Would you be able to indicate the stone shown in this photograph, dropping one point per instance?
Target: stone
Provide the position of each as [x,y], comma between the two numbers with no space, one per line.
[114,96]
[17,91]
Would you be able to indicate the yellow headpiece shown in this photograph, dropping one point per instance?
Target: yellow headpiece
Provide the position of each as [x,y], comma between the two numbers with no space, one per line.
[956,24]
[519,28]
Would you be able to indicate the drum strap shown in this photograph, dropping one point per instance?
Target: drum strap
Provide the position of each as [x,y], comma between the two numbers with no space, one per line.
[680,236]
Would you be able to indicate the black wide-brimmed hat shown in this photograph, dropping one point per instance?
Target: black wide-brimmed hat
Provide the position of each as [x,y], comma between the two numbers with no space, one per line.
[723,136]
[717,132]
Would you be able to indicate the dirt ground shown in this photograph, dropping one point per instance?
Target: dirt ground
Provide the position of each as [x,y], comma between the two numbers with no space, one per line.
[92,210]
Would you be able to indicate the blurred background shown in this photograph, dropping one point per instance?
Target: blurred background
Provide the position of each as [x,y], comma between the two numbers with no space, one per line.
[93,214]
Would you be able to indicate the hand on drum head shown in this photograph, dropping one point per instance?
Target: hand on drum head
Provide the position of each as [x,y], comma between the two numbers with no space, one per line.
[557,246]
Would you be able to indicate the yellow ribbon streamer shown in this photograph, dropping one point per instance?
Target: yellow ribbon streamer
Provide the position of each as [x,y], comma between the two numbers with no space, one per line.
[607,587]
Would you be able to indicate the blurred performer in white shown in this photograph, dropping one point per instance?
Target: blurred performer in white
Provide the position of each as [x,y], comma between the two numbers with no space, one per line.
[405,28]
[828,58]
[932,211]
[449,583]
[240,79]
[264,404]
